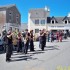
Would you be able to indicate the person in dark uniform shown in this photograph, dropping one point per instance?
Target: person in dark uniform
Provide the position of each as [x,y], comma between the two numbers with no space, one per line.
[52,36]
[19,42]
[31,41]
[48,36]
[42,40]
[9,46]
[27,36]
[44,37]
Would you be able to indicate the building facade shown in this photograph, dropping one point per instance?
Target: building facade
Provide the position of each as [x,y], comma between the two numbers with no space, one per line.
[39,19]
[9,17]
[24,26]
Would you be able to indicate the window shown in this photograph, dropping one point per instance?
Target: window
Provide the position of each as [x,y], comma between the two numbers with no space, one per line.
[65,21]
[36,30]
[9,13]
[36,21]
[69,21]
[52,21]
[42,21]
[10,16]
[17,18]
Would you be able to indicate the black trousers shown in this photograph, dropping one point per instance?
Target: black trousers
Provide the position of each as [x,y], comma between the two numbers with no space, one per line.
[42,45]
[4,45]
[26,46]
[31,45]
[9,49]
[25,49]
[19,46]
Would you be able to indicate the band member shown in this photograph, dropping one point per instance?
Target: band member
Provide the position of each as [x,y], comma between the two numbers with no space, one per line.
[44,31]
[40,39]
[19,37]
[27,37]
[14,41]
[42,36]
[9,47]
[25,44]
[31,41]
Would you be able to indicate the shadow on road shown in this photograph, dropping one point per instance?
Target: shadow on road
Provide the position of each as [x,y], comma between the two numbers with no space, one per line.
[21,58]
[55,47]
[36,52]
[26,57]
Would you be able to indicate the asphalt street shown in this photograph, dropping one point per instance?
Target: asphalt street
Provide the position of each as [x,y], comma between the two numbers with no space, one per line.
[55,57]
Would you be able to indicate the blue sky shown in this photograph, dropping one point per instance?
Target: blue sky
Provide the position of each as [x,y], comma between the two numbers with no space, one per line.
[57,7]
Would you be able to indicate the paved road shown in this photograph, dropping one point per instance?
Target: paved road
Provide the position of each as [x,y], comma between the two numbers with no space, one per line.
[55,57]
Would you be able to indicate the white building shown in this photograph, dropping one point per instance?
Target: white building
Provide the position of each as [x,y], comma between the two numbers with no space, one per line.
[37,19]
[24,26]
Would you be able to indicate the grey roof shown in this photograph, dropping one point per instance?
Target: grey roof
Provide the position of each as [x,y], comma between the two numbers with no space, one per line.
[38,13]
[36,9]
[39,9]
[7,6]
[58,19]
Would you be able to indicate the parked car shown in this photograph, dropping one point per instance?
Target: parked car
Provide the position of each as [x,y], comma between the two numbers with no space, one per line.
[1,44]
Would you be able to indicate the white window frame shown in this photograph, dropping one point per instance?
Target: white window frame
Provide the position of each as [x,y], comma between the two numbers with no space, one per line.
[67,21]
[52,20]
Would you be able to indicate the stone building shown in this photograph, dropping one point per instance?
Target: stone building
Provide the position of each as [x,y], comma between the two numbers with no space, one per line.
[10,17]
